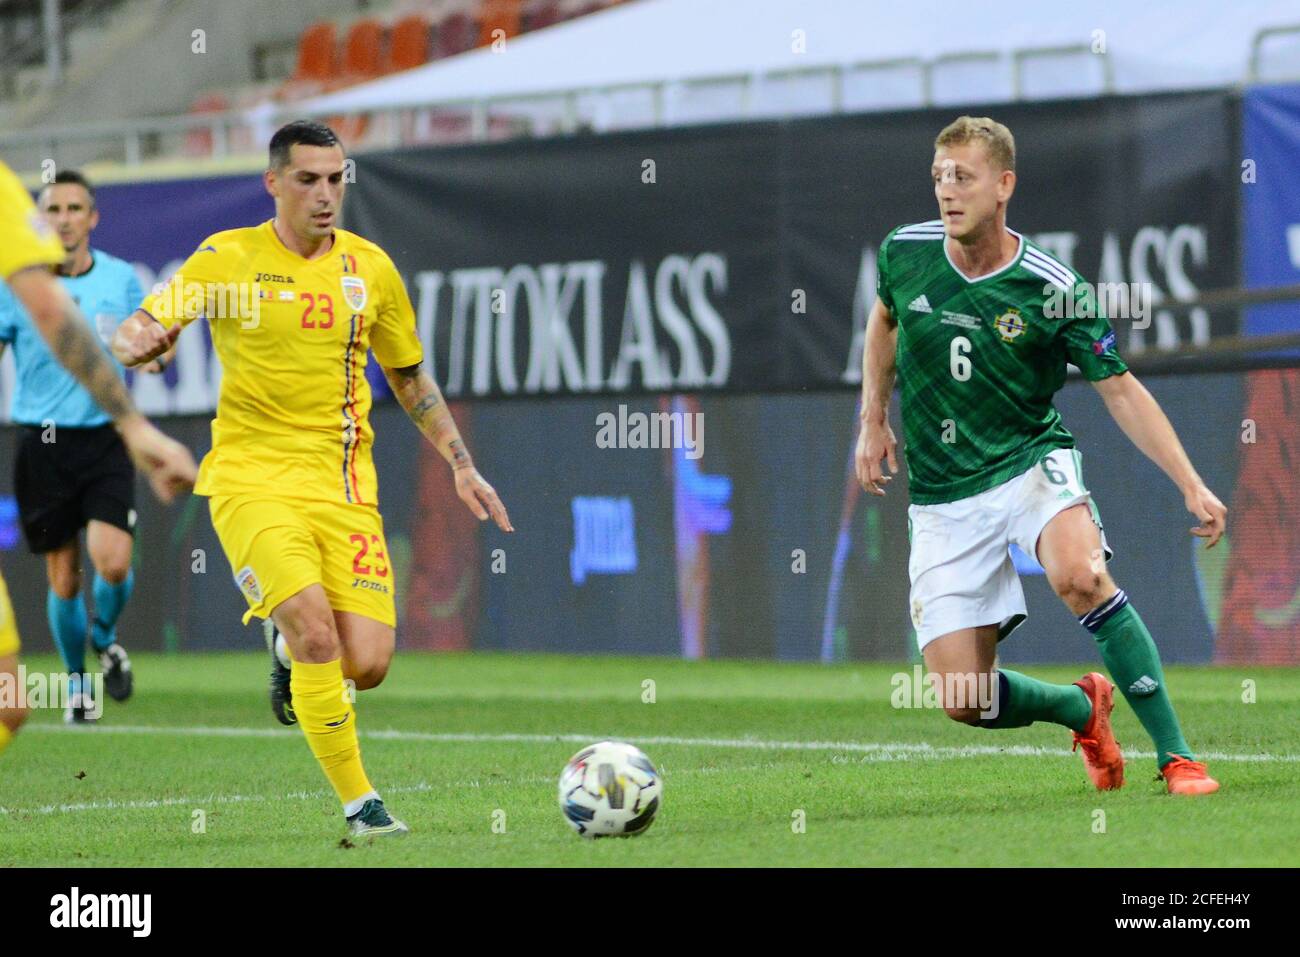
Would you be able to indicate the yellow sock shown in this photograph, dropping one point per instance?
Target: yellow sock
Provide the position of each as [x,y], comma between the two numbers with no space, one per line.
[320,701]
[5,735]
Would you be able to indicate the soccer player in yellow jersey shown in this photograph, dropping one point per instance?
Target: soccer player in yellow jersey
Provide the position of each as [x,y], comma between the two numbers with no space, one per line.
[293,305]
[28,250]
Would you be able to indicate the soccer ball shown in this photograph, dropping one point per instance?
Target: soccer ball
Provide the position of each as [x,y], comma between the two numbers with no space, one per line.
[609,789]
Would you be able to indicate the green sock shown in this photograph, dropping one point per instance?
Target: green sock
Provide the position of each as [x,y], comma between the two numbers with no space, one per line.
[1134,663]
[1022,700]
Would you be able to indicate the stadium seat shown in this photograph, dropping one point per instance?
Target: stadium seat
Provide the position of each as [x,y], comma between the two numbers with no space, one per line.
[579,9]
[363,59]
[351,129]
[408,44]
[539,14]
[503,15]
[456,33]
[317,66]
[317,53]
[363,51]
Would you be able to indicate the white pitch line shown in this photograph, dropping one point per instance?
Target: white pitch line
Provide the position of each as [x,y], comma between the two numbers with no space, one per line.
[200,801]
[899,749]
[111,804]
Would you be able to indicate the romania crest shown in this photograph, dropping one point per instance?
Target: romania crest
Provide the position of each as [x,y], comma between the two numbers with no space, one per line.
[354,292]
[247,581]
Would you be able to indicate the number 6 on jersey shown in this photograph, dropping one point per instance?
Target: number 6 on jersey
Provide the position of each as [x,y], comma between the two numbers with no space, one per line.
[957,361]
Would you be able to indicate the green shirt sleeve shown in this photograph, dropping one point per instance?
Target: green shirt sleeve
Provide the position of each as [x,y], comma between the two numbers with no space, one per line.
[1088,338]
[882,273]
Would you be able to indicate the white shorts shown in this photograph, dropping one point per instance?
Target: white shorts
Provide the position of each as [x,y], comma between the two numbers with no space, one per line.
[961,569]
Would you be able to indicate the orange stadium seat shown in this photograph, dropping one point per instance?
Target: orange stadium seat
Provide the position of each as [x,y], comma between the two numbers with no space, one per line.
[317,53]
[317,66]
[363,51]
[503,15]
[350,129]
[408,44]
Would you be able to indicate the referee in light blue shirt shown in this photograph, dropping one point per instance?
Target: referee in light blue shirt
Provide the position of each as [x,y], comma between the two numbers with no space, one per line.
[72,470]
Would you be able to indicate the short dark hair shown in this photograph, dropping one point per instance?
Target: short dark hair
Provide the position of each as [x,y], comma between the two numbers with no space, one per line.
[64,176]
[306,132]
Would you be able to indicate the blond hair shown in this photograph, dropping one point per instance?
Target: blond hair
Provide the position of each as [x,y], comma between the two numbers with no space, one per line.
[997,139]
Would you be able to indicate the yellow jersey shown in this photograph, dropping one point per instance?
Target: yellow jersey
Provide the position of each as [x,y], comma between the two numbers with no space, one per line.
[26,239]
[293,413]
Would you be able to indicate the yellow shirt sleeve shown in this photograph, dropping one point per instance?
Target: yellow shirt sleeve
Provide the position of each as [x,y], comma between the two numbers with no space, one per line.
[25,238]
[394,341]
[202,286]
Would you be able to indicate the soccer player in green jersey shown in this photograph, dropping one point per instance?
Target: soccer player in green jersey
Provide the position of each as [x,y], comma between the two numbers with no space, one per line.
[977,324]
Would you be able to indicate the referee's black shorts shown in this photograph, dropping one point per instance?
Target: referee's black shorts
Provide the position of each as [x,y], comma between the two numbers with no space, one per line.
[84,474]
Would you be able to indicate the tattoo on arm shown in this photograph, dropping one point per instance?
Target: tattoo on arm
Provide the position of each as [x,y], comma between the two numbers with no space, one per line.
[424,407]
[423,402]
[76,348]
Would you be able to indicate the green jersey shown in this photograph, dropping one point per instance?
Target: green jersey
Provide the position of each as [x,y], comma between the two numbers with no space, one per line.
[980,359]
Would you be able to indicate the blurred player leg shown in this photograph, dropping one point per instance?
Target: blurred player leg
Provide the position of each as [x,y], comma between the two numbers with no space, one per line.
[11,717]
[66,612]
[110,550]
[51,519]
[13,712]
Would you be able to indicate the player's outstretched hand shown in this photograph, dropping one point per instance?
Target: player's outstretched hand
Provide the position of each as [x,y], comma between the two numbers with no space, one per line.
[165,462]
[875,442]
[481,498]
[1210,512]
[141,338]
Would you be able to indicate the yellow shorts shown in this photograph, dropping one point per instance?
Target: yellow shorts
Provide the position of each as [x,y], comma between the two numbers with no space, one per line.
[279,546]
[8,627]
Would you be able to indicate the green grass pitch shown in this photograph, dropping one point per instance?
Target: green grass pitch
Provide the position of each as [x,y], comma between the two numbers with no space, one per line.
[748,751]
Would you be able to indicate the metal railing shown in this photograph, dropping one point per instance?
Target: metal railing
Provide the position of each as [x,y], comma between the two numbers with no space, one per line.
[1225,353]
[1022,57]
[1257,52]
[220,134]
[132,141]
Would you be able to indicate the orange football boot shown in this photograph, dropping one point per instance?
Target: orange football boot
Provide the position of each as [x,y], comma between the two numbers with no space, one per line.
[1187,777]
[1101,755]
